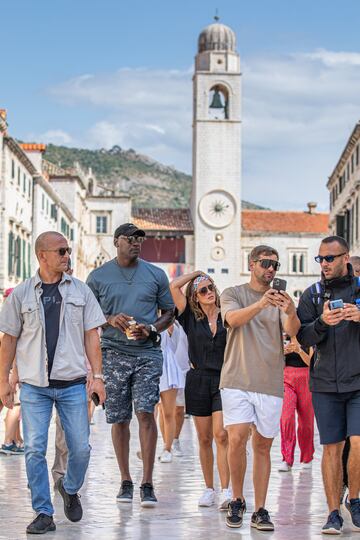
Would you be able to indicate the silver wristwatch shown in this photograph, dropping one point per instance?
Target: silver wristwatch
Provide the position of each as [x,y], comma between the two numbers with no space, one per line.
[98,376]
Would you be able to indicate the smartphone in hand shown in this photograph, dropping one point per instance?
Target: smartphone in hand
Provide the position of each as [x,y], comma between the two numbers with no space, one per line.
[336,304]
[96,400]
[279,284]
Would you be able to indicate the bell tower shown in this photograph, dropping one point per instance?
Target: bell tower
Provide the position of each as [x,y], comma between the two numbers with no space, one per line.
[215,201]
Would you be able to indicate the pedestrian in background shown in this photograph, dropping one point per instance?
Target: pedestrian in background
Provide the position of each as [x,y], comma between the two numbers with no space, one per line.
[297,399]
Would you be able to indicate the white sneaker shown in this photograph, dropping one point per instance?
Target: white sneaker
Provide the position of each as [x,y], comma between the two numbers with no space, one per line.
[165,457]
[176,448]
[306,466]
[224,499]
[207,498]
[284,467]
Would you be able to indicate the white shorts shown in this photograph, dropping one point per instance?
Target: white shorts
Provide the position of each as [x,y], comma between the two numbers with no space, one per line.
[180,398]
[241,407]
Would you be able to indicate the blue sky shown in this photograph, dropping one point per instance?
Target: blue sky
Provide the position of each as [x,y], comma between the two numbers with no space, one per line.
[96,73]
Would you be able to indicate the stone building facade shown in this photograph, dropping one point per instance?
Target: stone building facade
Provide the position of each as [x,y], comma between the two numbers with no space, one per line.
[344,189]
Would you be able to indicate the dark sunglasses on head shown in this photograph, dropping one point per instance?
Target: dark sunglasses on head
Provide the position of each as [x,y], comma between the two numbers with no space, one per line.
[327,258]
[266,263]
[133,239]
[204,290]
[61,251]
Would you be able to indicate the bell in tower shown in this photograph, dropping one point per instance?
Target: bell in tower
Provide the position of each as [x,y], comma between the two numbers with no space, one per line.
[218,107]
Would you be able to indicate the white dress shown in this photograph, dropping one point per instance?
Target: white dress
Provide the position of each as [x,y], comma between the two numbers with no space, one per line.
[173,374]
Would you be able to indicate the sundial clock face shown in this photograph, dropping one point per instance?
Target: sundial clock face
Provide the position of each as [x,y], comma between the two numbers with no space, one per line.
[217,209]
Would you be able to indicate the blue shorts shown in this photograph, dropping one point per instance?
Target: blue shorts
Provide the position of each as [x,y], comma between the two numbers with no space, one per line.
[337,415]
[130,379]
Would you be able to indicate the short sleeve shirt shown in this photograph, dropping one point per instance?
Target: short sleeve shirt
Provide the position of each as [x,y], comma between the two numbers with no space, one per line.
[23,316]
[254,355]
[138,292]
[205,350]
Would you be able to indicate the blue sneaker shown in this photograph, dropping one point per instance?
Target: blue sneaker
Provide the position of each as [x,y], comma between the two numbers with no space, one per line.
[334,523]
[11,449]
[353,507]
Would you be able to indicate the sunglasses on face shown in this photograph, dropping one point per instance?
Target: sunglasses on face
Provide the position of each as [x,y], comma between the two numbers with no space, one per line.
[61,251]
[266,263]
[133,239]
[327,258]
[204,290]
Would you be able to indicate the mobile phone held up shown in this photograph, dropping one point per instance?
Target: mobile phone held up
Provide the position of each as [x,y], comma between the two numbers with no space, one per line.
[336,304]
[279,284]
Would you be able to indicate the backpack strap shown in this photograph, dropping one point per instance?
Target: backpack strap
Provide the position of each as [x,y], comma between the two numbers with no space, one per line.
[316,293]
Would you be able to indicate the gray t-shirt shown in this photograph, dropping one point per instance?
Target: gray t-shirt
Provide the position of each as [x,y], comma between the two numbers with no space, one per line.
[137,291]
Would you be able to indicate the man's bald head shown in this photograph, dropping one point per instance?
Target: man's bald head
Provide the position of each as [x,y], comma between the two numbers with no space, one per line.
[46,239]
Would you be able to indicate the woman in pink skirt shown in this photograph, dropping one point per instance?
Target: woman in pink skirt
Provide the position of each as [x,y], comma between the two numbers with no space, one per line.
[297,398]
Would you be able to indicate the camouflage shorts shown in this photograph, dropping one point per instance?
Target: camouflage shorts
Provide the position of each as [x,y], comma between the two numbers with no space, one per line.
[130,379]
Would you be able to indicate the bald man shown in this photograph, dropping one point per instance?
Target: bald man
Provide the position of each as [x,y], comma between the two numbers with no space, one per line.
[49,323]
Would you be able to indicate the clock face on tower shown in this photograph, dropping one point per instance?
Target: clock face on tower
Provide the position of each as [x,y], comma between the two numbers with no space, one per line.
[217,209]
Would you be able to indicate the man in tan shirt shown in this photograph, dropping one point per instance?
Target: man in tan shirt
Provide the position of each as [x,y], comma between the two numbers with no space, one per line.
[252,377]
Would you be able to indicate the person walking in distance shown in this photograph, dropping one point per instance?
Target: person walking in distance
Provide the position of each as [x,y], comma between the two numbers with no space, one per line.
[131,292]
[199,315]
[330,320]
[49,323]
[172,379]
[297,399]
[252,381]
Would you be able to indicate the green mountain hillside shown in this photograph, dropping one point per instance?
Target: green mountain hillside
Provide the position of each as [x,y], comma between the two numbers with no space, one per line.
[148,182]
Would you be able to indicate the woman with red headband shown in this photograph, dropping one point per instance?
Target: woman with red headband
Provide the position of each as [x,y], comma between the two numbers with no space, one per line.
[199,315]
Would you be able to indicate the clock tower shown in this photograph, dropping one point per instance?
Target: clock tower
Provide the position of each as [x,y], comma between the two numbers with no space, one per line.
[215,200]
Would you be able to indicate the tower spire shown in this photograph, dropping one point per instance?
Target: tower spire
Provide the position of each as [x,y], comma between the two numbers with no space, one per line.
[216,16]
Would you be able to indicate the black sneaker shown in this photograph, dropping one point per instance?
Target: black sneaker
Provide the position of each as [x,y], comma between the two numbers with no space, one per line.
[334,523]
[72,505]
[147,496]
[126,492]
[41,525]
[235,513]
[353,507]
[260,520]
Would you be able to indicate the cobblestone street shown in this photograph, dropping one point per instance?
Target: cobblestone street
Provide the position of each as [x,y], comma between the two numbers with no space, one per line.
[295,501]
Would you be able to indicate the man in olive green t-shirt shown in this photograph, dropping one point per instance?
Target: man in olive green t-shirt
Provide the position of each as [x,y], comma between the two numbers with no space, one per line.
[252,377]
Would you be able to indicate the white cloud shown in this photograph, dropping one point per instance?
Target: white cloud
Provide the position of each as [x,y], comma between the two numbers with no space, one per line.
[55,136]
[331,58]
[298,112]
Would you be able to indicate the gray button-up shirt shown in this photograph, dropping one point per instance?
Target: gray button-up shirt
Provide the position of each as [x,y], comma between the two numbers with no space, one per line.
[22,316]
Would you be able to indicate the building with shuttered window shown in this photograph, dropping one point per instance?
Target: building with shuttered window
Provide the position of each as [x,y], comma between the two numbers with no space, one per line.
[344,186]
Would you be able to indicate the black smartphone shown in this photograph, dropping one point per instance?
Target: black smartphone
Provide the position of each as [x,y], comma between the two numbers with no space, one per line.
[96,400]
[279,284]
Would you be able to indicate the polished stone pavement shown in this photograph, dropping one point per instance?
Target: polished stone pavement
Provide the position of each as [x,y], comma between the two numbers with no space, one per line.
[295,500]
